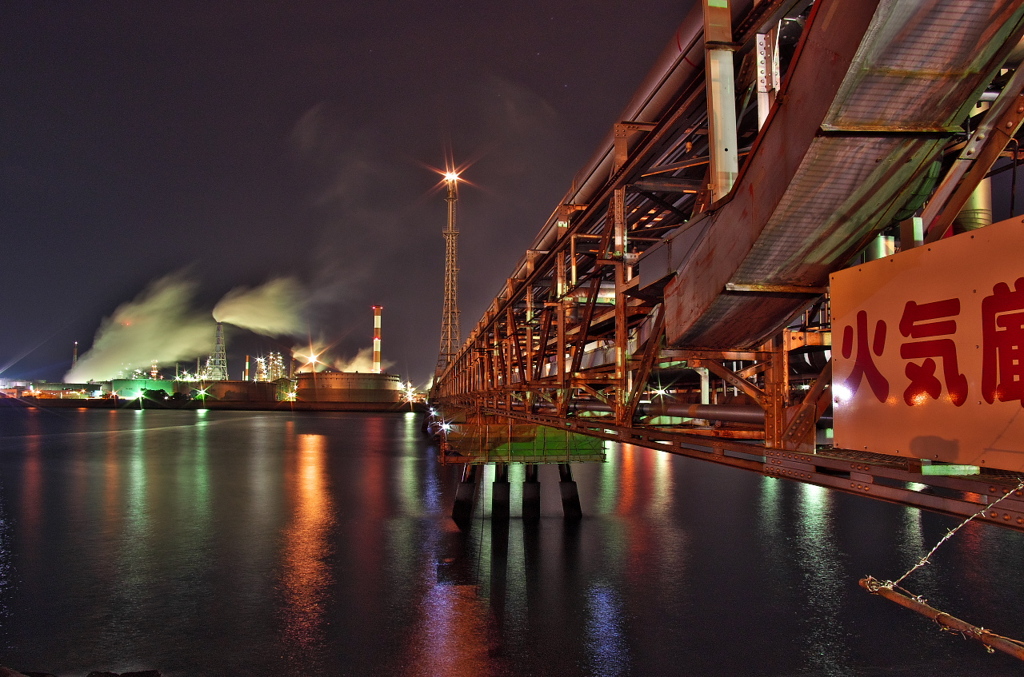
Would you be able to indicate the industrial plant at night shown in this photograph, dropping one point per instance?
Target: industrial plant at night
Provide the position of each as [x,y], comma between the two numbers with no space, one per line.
[272,381]
[743,395]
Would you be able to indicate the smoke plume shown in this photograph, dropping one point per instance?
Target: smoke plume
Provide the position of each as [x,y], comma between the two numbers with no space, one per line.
[275,309]
[157,325]
[362,362]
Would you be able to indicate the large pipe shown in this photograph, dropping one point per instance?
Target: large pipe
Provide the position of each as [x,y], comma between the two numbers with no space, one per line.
[977,213]
[713,412]
[736,414]
[680,60]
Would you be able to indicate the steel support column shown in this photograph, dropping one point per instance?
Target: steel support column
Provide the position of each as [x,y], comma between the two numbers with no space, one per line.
[721,93]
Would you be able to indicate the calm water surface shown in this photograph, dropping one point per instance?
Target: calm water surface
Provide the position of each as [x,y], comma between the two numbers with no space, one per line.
[240,543]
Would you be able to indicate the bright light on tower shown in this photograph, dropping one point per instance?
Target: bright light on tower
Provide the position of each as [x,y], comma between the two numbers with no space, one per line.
[450,332]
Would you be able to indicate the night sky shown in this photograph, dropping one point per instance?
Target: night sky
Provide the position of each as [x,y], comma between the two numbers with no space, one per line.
[231,143]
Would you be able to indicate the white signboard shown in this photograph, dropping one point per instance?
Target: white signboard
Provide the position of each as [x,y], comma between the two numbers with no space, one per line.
[928,351]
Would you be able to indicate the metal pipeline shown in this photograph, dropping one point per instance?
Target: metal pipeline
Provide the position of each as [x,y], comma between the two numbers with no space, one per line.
[736,414]
[711,412]
[683,58]
[977,213]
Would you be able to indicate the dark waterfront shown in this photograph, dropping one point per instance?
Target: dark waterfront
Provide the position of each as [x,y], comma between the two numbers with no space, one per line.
[236,543]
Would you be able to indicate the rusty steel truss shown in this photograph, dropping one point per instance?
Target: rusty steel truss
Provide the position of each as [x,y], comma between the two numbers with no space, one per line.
[674,303]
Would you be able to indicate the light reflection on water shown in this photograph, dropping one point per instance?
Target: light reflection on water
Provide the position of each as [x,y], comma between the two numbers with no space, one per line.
[451,634]
[250,543]
[609,652]
[305,577]
[818,558]
[32,491]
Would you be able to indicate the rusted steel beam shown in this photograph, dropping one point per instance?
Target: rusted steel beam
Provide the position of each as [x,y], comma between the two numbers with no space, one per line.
[621,341]
[643,371]
[738,355]
[542,347]
[776,386]
[584,325]
[987,143]
[774,289]
[667,185]
[991,640]
[764,14]
[753,369]
[799,433]
[561,375]
[513,333]
[718,369]
[665,204]
[585,387]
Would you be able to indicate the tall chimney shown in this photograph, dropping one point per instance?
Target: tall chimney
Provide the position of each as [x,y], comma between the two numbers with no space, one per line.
[376,338]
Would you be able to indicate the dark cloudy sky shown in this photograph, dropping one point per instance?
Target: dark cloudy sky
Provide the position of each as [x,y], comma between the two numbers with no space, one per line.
[238,141]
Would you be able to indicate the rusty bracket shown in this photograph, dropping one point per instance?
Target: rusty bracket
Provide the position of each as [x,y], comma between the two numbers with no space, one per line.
[810,410]
[1001,123]
[651,351]
[718,369]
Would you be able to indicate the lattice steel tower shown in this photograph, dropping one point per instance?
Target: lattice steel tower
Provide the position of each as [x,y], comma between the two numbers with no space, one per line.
[217,366]
[450,333]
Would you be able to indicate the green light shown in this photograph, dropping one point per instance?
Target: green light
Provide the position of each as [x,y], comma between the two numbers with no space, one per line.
[951,469]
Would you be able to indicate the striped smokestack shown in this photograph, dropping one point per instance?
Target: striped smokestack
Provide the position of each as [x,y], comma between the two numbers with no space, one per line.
[376,338]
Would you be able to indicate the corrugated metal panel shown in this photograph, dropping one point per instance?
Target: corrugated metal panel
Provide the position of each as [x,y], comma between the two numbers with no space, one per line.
[919,63]
[844,189]
[915,70]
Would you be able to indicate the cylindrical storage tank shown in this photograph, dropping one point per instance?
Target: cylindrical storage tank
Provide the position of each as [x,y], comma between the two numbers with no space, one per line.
[339,386]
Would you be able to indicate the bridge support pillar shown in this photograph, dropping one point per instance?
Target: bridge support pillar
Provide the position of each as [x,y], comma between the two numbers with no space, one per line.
[531,493]
[466,494]
[500,496]
[570,493]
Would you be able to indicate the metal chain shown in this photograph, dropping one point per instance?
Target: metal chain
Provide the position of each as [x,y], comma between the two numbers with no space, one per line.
[949,534]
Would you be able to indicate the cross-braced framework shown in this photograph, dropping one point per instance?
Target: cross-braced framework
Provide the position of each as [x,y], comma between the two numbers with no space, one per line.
[664,307]
[450,332]
[217,366]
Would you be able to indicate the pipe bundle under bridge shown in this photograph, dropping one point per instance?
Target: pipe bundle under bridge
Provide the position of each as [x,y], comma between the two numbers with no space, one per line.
[785,235]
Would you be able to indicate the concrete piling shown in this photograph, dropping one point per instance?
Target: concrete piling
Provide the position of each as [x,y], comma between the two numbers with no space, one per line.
[462,510]
[571,508]
[531,493]
[501,494]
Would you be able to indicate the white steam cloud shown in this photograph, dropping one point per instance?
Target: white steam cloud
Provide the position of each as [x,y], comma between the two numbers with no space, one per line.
[362,362]
[274,309]
[157,325]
